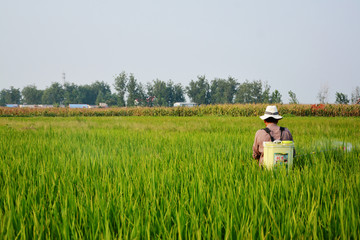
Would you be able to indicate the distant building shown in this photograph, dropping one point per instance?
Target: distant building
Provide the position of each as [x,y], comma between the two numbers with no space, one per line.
[184,104]
[103,105]
[45,106]
[79,106]
[28,106]
[12,105]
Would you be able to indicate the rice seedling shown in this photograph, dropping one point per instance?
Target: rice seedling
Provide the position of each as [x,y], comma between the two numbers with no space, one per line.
[174,177]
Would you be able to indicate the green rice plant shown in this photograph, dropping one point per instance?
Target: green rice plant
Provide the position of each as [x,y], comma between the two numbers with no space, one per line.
[174,177]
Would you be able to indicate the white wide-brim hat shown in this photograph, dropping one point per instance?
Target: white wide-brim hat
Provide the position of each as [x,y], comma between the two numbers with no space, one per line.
[271,111]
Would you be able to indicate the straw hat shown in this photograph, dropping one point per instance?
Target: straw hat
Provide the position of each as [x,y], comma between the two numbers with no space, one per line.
[271,111]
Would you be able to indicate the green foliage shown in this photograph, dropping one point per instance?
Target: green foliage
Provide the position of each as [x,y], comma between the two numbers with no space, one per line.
[223,90]
[111,99]
[2,97]
[132,87]
[157,93]
[100,87]
[266,93]
[160,93]
[341,98]
[71,93]
[293,99]
[173,178]
[276,97]
[120,87]
[31,95]
[250,92]
[88,94]
[159,90]
[170,94]
[10,96]
[141,99]
[179,93]
[199,91]
[54,94]
[136,93]
[100,98]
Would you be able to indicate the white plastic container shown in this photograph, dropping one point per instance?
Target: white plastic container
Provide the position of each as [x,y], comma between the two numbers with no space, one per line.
[278,154]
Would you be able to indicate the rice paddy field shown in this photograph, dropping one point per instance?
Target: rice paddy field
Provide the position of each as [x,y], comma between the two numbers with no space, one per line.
[175,178]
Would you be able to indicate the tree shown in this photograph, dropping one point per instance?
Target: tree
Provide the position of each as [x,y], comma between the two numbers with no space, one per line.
[2,97]
[141,95]
[341,98]
[120,87]
[85,94]
[243,94]
[3,94]
[223,90]
[217,91]
[135,91]
[98,87]
[323,94]
[150,93]
[88,94]
[31,95]
[355,95]
[257,91]
[11,95]
[111,99]
[276,97]
[100,98]
[250,92]
[266,93]
[179,93]
[170,94]
[160,92]
[71,93]
[199,91]
[230,90]
[53,94]
[293,99]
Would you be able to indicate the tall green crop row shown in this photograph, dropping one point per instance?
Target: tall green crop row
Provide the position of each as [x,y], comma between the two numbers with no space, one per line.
[143,177]
[234,110]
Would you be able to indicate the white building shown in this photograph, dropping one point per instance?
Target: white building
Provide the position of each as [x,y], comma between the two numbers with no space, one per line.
[184,104]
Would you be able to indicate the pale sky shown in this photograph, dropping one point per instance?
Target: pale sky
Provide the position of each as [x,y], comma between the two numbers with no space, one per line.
[298,45]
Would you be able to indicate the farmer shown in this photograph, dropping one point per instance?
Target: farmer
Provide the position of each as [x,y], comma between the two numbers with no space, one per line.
[271,133]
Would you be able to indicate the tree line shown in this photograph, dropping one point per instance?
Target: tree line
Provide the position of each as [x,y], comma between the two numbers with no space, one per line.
[340,98]
[130,92]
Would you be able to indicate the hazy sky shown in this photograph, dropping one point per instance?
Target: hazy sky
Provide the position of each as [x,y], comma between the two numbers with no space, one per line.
[293,45]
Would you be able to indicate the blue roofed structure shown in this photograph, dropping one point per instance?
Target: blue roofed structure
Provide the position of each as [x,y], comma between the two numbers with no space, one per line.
[79,106]
[12,105]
